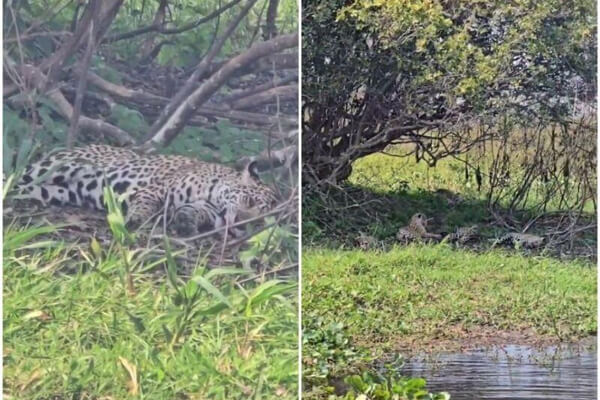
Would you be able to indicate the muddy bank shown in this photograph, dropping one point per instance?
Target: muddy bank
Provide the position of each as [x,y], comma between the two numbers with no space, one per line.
[459,339]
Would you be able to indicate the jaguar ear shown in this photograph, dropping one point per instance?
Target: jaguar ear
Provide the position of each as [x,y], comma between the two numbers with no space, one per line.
[250,173]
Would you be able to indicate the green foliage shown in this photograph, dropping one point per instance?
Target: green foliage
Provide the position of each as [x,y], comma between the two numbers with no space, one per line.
[227,145]
[186,48]
[476,41]
[130,120]
[155,342]
[14,128]
[18,149]
[368,387]
[115,217]
[416,70]
[434,292]
[55,128]
[105,71]
[17,145]
[16,239]
[271,246]
[327,347]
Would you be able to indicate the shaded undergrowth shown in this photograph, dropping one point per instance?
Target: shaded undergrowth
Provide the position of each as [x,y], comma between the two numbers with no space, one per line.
[337,216]
[384,191]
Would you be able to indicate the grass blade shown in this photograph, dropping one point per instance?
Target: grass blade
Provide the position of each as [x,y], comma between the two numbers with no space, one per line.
[210,288]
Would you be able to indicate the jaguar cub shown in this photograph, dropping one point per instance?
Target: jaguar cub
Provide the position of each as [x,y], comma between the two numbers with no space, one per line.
[196,195]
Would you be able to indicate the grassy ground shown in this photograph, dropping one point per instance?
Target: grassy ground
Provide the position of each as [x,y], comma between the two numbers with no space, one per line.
[419,295]
[75,328]
[359,304]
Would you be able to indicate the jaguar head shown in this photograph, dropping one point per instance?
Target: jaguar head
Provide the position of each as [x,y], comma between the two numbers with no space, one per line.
[257,200]
[419,219]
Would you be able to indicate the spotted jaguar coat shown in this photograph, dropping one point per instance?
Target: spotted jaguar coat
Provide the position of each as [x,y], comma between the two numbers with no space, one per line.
[194,193]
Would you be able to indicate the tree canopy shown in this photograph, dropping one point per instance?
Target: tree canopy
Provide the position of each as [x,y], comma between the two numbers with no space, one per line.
[381,72]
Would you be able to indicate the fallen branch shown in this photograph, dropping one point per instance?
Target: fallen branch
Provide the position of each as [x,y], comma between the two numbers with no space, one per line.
[274,158]
[289,92]
[65,109]
[243,116]
[179,117]
[238,94]
[137,96]
[145,98]
[274,61]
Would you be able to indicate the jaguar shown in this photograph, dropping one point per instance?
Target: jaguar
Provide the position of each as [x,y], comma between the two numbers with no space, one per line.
[416,230]
[193,194]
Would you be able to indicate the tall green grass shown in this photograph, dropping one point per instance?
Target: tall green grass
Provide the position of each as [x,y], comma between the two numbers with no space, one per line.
[359,305]
[73,328]
[427,292]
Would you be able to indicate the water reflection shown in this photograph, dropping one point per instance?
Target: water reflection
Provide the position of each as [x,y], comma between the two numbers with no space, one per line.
[511,372]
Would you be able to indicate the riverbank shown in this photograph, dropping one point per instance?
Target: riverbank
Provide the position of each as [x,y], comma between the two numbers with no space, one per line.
[435,298]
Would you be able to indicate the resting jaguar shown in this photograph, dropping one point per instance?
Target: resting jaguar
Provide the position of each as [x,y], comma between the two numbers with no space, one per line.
[196,194]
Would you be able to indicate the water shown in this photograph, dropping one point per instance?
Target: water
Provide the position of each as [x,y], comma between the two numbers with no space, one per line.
[512,372]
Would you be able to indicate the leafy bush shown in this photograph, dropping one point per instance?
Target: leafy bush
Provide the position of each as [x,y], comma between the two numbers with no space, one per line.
[326,348]
[368,387]
[426,72]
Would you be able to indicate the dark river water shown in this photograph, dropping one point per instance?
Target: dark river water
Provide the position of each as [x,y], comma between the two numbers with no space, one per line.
[511,372]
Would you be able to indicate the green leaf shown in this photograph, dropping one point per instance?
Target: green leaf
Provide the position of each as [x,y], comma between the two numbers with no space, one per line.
[210,288]
[267,291]
[14,240]
[225,271]
[171,267]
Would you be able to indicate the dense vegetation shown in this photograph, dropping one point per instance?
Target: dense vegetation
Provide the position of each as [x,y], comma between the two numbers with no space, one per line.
[513,84]
[73,327]
[93,310]
[423,294]
[477,114]
[361,305]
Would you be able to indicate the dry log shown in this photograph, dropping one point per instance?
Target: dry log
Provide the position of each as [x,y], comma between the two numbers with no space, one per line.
[289,92]
[238,94]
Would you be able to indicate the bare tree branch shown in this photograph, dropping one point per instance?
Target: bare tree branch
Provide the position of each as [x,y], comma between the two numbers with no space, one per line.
[54,64]
[192,81]
[270,27]
[164,31]
[36,35]
[289,92]
[36,77]
[148,49]
[178,118]
[85,65]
